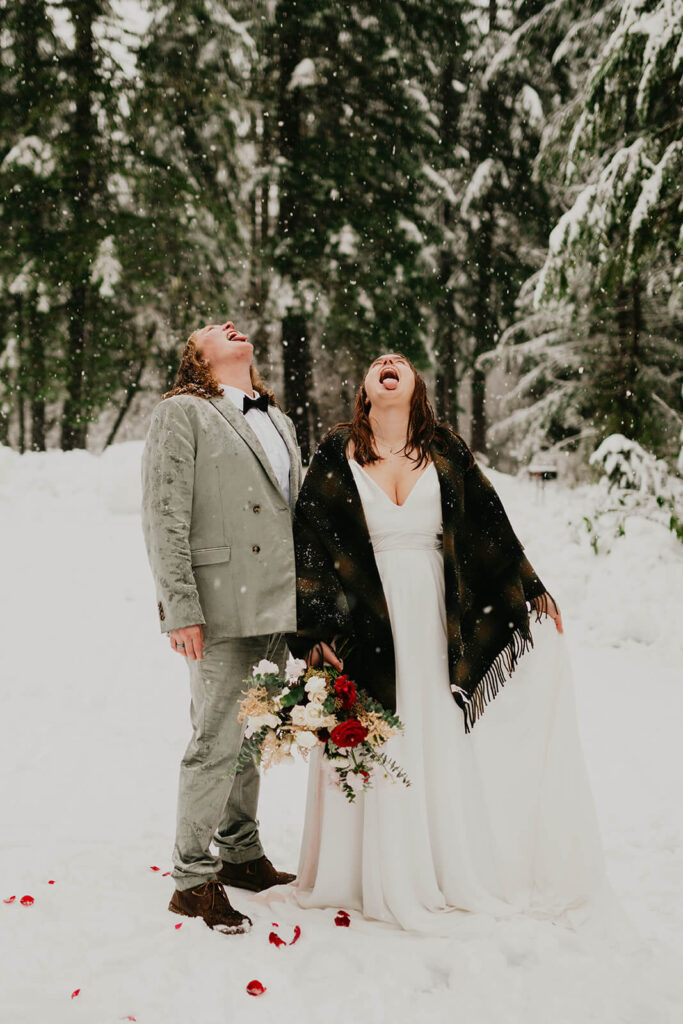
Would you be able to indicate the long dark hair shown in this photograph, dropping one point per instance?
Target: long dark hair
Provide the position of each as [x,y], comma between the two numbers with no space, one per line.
[422,426]
[195,376]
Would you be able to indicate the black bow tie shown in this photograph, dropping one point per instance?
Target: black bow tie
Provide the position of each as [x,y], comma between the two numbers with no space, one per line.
[255,403]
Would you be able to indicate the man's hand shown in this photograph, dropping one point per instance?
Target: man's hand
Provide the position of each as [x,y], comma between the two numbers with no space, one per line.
[322,654]
[188,641]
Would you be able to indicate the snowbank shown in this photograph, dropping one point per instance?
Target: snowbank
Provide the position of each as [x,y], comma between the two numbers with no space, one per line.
[95,722]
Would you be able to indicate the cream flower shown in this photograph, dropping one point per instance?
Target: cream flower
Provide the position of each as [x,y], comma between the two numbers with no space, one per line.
[256,723]
[315,716]
[294,669]
[298,715]
[265,668]
[305,740]
[316,688]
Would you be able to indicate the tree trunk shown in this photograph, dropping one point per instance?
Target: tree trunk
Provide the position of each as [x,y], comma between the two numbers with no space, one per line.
[445,349]
[626,364]
[74,422]
[298,379]
[131,392]
[80,192]
[298,370]
[483,327]
[259,244]
[38,383]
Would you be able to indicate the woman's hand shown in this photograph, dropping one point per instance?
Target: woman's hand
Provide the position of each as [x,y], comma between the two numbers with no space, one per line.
[322,654]
[554,613]
[545,605]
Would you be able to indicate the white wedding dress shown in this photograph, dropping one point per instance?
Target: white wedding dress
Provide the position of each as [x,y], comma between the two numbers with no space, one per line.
[500,820]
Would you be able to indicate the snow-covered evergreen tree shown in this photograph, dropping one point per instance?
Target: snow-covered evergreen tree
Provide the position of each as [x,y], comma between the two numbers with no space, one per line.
[600,350]
[347,124]
[191,130]
[29,209]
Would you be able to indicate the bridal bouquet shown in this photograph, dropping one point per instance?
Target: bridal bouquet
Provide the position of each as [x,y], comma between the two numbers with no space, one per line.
[311,706]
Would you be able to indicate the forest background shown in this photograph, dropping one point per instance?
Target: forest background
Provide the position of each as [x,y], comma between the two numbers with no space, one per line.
[492,187]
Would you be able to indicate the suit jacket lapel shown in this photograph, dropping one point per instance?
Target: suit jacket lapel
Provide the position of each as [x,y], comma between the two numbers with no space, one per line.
[238,421]
[294,468]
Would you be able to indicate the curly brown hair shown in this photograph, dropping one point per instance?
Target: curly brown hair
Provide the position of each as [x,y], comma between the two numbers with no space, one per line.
[422,425]
[195,376]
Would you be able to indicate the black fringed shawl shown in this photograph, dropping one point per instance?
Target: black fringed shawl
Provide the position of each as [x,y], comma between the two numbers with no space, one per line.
[488,579]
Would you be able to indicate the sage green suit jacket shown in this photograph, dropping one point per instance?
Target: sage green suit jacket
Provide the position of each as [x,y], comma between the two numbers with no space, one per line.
[217,527]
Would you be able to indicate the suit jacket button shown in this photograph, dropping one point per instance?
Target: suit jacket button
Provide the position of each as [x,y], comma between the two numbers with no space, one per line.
[256,549]
[257,508]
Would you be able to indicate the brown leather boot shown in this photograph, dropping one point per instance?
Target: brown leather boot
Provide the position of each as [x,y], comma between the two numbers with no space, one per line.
[209,902]
[254,875]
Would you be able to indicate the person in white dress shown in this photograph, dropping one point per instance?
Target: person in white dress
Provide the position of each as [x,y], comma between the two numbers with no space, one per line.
[499,817]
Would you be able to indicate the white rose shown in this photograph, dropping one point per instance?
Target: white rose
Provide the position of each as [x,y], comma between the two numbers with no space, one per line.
[265,668]
[294,669]
[305,740]
[298,715]
[316,688]
[315,716]
[258,721]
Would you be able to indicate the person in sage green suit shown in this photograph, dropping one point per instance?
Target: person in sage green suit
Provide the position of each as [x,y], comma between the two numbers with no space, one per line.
[221,474]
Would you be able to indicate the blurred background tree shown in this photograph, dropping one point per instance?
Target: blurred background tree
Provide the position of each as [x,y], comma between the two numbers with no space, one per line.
[490,186]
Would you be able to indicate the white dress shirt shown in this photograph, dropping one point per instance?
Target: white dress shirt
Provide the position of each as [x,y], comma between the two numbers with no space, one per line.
[260,422]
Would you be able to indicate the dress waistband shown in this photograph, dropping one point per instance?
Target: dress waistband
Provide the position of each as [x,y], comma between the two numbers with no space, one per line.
[408,540]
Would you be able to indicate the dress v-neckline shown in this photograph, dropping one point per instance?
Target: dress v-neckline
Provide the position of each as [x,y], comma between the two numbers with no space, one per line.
[382,491]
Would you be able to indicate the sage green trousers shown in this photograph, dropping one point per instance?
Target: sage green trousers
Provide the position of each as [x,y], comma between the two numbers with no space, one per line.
[212,805]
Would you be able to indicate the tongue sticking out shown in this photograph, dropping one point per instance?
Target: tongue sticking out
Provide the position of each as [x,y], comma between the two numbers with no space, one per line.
[390,383]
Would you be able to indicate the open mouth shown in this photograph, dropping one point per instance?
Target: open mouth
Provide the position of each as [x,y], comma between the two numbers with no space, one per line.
[388,374]
[233,334]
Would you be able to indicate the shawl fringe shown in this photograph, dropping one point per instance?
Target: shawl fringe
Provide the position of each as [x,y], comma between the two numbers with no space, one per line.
[473,705]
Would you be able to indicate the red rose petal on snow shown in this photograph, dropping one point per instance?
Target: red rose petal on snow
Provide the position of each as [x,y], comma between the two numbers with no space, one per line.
[342,920]
[27,901]
[10,900]
[275,940]
[166,874]
[154,868]
[255,988]
[297,934]
[51,882]
[129,1018]
[179,926]
[274,924]
[76,992]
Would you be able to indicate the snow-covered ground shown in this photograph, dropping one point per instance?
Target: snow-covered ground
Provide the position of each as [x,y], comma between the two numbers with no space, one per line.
[94,724]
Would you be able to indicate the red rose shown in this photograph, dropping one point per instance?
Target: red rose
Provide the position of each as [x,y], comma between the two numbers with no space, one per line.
[349,733]
[345,690]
